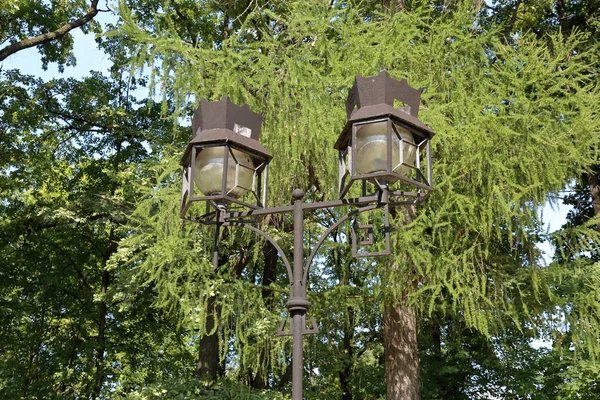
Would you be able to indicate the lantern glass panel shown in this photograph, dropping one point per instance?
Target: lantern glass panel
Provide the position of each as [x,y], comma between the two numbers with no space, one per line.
[371,148]
[408,149]
[424,162]
[208,173]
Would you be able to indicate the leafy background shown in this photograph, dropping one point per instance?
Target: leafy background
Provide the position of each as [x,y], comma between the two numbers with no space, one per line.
[106,294]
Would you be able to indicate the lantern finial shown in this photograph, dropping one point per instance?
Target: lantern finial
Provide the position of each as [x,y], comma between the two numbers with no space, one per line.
[382,89]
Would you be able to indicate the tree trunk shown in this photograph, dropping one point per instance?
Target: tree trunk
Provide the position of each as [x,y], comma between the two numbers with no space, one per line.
[103,311]
[345,373]
[33,358]
[208,366]
[208,354]
[563,18]
[101,348]
[401,353]
[225,29]
[436,337]
[594,183]
[508,27]
[402,374]
[259,381]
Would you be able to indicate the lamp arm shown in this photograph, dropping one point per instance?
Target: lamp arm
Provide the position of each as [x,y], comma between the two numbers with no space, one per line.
[331,229]
[380,197]
[268,238]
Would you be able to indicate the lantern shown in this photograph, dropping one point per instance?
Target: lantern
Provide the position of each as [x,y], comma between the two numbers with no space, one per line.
[382,144]
[224,163]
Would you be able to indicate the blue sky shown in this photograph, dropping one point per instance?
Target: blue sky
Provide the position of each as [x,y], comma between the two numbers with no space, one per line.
[554,217]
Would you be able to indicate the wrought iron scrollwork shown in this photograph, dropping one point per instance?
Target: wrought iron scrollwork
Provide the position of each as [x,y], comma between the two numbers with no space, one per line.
[300,305]
[306,330]
[360,241]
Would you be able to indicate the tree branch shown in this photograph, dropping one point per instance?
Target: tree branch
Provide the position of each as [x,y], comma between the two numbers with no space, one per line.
[73,264]
[113,202]
[563,18]
[50,36]
[509,26]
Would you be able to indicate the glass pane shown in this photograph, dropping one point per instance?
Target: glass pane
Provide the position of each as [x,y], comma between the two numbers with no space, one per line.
[208,173]
[371,148]
[408,150]
[241,164]
[409,153]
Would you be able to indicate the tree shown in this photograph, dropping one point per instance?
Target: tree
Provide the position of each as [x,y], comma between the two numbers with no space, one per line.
[502,116]
[66,149]
[46,26]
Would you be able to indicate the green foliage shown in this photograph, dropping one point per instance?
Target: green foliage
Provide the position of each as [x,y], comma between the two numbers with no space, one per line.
[66,148]
[21,19]
[194,389]
[508,135]
[90,184]
[543,17]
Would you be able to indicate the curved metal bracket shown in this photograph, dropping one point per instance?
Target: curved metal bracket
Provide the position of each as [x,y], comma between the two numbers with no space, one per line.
[237,220]
[331,229]
[269,239]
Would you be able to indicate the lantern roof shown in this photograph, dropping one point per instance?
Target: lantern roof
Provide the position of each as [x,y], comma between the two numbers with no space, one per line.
[227,115]
[223,122]
[374,97]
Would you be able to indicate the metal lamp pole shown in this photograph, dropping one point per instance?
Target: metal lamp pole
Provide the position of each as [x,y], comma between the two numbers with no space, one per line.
[298,304]
[225,162]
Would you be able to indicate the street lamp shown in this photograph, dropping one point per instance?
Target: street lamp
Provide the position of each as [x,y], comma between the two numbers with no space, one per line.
[382,144]
[224,161]
[383,147]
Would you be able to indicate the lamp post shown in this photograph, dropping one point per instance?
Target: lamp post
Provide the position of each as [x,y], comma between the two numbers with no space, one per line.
[383,148]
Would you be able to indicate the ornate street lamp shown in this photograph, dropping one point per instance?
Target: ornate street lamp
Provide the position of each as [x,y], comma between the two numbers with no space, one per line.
[382,147]
[224,161]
